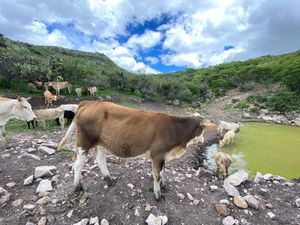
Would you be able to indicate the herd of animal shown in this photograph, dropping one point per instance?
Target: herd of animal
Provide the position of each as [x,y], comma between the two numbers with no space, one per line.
[122,131]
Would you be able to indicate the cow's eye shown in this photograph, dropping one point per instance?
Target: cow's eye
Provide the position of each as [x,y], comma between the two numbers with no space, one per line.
[25,107]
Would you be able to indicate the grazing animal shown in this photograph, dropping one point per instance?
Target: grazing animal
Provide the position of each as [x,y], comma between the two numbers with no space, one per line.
[18,108]
[59,78]
[226,126]
[78,91]
[42,115]
[69,115]
[92,90]
[60,85]
[227,139]
[223,162]
[49,98]
[38,84]
[127,133]
[69,107]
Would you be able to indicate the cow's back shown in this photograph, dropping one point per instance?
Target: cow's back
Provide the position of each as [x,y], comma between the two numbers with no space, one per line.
[123,131]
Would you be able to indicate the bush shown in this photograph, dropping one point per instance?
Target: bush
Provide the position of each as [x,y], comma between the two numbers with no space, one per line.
[247,86]
[283,101]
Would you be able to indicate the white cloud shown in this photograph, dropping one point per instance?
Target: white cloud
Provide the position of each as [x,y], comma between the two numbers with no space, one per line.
[152,60]
[182,59]
[146,40]
[41,36]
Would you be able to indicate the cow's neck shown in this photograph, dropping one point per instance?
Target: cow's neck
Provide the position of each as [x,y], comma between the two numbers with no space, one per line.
[6,111]
[186,129]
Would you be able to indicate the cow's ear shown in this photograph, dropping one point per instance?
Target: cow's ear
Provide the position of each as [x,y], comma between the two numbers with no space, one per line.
[28,98]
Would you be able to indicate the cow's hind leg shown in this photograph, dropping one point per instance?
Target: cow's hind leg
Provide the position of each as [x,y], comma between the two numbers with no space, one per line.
[78,165]
[157,166]
[101,160]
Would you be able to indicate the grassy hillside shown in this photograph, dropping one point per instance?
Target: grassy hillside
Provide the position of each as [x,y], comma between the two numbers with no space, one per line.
[21,62]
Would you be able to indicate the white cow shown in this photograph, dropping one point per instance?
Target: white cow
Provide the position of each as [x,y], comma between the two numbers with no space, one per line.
[227,126]
[69,107]
[14,108]
[92,90]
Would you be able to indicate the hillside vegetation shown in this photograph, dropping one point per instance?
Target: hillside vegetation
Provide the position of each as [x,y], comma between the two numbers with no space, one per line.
[22,62]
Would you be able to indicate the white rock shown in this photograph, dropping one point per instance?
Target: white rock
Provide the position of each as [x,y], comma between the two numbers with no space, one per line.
[43,220]
[32,156]
[237,178]
[213,188]
[164,219]
[47,150]
[5,195]
[29,223]
[267,176]
[229,220]
[230,189]
[70,213]
[181,196]
[258,177]
[28,180]
[156,220]
[136,212]
[189,196]
[44,185]
[30,150]
[94,220]
[148,207]
[82,222]
[4,156]
[131,186]
[10,184]
[271,215]
[104,222]
[28,206]
[246,115]
[17,202]
[297,201]
[224,201]
[43,171]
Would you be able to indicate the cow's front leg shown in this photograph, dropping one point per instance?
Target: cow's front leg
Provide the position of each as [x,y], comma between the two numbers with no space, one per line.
[78,165]
[157,166]
[101,160]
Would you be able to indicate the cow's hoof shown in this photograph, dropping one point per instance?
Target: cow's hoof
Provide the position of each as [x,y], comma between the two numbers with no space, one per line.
[159,196]
[110,180]
[78,188]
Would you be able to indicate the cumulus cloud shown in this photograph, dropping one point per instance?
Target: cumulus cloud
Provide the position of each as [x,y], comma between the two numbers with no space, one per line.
[144,41]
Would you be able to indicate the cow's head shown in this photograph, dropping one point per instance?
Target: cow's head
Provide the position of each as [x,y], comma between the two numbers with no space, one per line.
[22,109]
[54,98]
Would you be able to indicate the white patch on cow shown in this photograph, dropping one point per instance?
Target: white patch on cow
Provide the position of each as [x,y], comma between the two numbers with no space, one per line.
[78,165]
[156,189]
[101,160]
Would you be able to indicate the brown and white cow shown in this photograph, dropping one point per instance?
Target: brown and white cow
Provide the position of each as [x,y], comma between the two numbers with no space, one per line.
[127,133]
[14,108]
[42,115]
[59,86]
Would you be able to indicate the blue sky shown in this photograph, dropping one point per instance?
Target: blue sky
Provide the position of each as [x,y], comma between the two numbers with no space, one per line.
[161,37]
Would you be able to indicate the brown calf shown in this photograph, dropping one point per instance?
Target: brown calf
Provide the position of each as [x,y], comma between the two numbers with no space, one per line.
[127,132]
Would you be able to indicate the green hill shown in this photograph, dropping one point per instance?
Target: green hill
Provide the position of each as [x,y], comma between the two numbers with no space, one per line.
[22,62]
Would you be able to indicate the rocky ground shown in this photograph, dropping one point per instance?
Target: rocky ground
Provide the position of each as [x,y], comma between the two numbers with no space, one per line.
[36,184]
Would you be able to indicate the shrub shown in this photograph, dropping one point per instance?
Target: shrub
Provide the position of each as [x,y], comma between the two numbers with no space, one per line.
[247,86]
[283,101]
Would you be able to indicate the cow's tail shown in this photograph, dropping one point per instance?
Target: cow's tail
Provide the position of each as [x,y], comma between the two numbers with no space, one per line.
[65,139]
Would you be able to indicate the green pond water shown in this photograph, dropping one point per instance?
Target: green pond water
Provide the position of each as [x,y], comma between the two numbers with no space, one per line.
[265,148]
